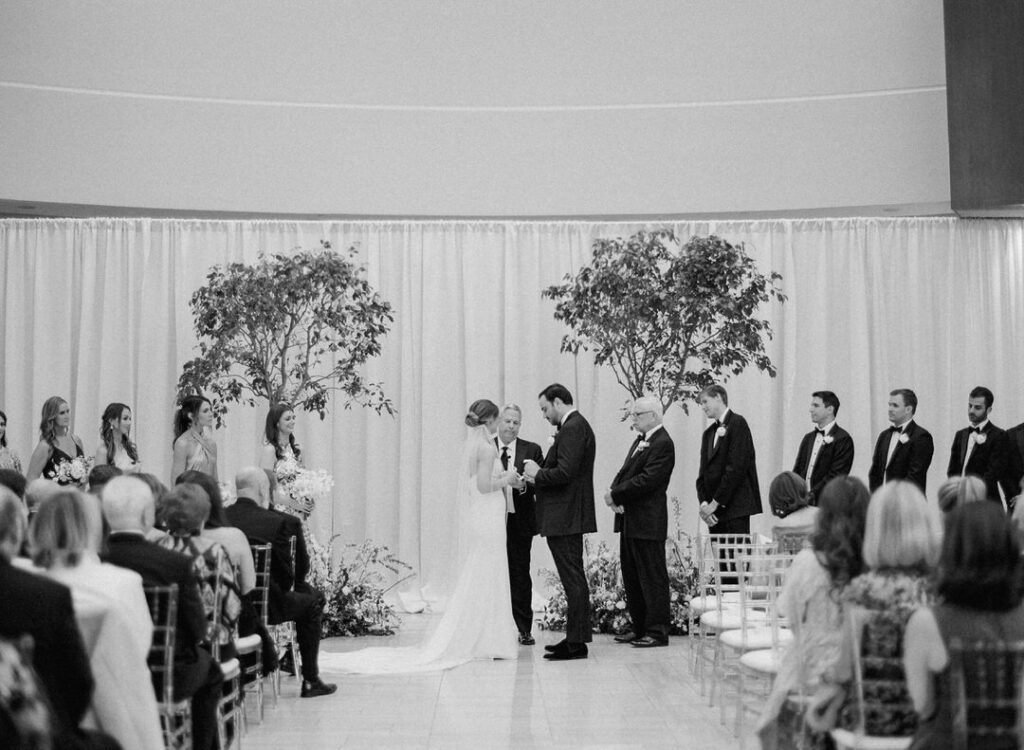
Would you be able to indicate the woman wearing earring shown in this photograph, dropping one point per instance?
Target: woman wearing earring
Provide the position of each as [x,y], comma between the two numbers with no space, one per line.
[193,450]
[8,458]
[57,455]
[280,457]
[116,449]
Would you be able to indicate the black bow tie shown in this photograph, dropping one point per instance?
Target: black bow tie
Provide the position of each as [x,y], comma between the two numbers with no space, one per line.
[820,432]
[894,428]
[976,429]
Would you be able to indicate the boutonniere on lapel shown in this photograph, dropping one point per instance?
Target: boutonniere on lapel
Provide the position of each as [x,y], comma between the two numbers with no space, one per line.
[551,439]
[827,439]
[640,446]
[978,438]
[904,438]
[720,432]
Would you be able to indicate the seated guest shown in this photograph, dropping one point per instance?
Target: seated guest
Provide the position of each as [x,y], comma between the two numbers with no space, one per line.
[64,539]
[159,489]
[14,481]
[980,600]
[901,548]
[956,491]
[793,514]
[291,598]
[183,511]
[42,609]
[129,509]
[100,475]
[811,602]
[36,491]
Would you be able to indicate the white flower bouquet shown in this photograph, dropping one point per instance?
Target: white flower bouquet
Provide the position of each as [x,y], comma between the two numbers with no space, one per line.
[75,471]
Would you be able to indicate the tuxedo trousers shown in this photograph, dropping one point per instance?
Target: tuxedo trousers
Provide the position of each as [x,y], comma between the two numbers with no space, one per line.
[305,605]
[567,552]
[645,578]
[518,546]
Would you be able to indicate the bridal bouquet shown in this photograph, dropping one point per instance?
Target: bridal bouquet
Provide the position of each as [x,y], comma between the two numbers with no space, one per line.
[302,485]
[75,471]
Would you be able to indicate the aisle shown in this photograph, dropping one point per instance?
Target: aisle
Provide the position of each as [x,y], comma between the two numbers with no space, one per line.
[621,697]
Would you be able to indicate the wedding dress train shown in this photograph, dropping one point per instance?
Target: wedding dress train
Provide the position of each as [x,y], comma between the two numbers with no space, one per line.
[477,623]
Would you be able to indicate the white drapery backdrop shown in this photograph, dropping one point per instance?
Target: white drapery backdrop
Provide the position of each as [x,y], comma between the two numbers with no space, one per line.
[97,311]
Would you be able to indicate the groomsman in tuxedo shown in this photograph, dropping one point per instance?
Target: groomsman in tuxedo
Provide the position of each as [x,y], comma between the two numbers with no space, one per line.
[727,487]
[520,520]
[983,449]
[565,509]
[827,450]
[1015,467]
[904,450]
[639,497]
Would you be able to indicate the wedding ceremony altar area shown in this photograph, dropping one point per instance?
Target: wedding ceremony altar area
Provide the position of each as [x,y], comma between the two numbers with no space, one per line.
[97,311]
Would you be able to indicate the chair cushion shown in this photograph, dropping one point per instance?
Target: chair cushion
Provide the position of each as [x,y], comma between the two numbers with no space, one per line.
[248,644]
[230,668]
[756,638]
[727,619]
[764,660]
[707,602]
[845,738]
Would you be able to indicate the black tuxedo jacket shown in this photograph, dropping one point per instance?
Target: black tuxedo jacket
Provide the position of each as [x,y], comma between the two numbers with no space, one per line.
[565,483]
[910,460]
[641,488]
[728,471]
[268,526]
[41,608]
[1015,462]
[162,567]
[990,460]
[524,521]
[835,459]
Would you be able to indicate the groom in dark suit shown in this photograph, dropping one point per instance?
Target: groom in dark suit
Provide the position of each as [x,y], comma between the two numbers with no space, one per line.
[903,451]
[826,451]
[727,487]
[520,520]
[983,449]
[565,509]
[638,495]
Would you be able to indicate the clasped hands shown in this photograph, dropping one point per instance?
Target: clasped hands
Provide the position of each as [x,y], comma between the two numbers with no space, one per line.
[611,503]
[530,469]
[707,512]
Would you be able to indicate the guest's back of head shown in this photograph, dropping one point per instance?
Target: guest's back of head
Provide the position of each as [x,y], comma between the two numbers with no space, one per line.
[38,490]
[12,523]
[788,493]
[980,566]
[100,475]
[128,504]
[252,482]
[14,481]
[903,531]
[838,536]
[60,531]
[184,510]
[956,491]
[213,495]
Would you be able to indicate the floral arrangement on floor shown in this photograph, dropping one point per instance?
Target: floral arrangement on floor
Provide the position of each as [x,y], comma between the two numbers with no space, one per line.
[356,586]
[73,472]
[608,612]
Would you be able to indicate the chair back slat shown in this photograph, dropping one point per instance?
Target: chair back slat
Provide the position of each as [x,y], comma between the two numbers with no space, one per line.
[988,700]
[260,593]
[163,609]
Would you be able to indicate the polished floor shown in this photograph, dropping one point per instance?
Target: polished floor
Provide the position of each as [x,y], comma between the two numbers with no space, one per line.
[621,697]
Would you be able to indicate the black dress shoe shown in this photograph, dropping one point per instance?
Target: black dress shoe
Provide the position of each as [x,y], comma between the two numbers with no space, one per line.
[316,688]
[649,642]
[626,638]
[552,647]
[574,651]
[525,639]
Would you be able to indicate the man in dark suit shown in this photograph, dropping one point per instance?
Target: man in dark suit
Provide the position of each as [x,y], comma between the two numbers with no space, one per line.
[983,450]
[129,508]
[520,519]
[826,451]
[35,606]
[639,497]
[290,597]
[1015,464]
[727,486]
[903,451]
[565,507]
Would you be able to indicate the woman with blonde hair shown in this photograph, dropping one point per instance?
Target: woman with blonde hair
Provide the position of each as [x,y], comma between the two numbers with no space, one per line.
[58,447]
[956,491]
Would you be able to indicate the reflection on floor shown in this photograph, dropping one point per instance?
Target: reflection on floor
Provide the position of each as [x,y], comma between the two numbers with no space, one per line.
[621,697]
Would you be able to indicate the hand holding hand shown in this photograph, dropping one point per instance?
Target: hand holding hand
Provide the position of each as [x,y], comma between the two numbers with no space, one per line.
[530,469]
[618,509]
[518,483]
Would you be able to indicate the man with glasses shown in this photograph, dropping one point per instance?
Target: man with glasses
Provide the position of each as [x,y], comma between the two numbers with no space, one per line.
[639,497]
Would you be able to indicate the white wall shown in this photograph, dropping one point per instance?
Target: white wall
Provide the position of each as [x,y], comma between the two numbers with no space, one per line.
[474,108]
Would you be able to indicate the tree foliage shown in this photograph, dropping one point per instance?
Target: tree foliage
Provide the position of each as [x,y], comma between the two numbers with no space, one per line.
[668,320]
[291,328]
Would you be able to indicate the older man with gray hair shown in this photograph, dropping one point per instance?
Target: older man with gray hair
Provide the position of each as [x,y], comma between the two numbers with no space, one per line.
[638,495]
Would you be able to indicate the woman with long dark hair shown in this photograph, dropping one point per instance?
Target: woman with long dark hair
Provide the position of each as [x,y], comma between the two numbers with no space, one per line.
[54,456]
[8,458]
[116,449]
[193,448]
[282,458]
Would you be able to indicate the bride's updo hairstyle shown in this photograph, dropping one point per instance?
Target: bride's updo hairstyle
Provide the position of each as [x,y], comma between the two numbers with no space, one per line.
[480,411]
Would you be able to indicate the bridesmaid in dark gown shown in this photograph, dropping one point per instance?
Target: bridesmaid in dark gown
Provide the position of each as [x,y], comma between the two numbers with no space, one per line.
[57,444]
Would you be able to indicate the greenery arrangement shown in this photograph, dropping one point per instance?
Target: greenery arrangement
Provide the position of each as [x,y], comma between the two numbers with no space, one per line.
[292,328]
[608,609]
[668,320]
[356,586]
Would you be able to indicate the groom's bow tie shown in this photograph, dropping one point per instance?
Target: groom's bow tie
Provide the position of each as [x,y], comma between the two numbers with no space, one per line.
[894,428]
[819,431]
[976,429]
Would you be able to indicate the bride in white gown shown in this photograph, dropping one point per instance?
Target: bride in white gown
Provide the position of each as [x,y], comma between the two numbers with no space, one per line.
[477,623]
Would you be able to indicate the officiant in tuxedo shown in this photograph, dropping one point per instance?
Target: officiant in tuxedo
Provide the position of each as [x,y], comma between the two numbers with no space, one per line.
[826,451]
[982,449]
[565,511]
[904,450]
[520,519]
[639,497]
